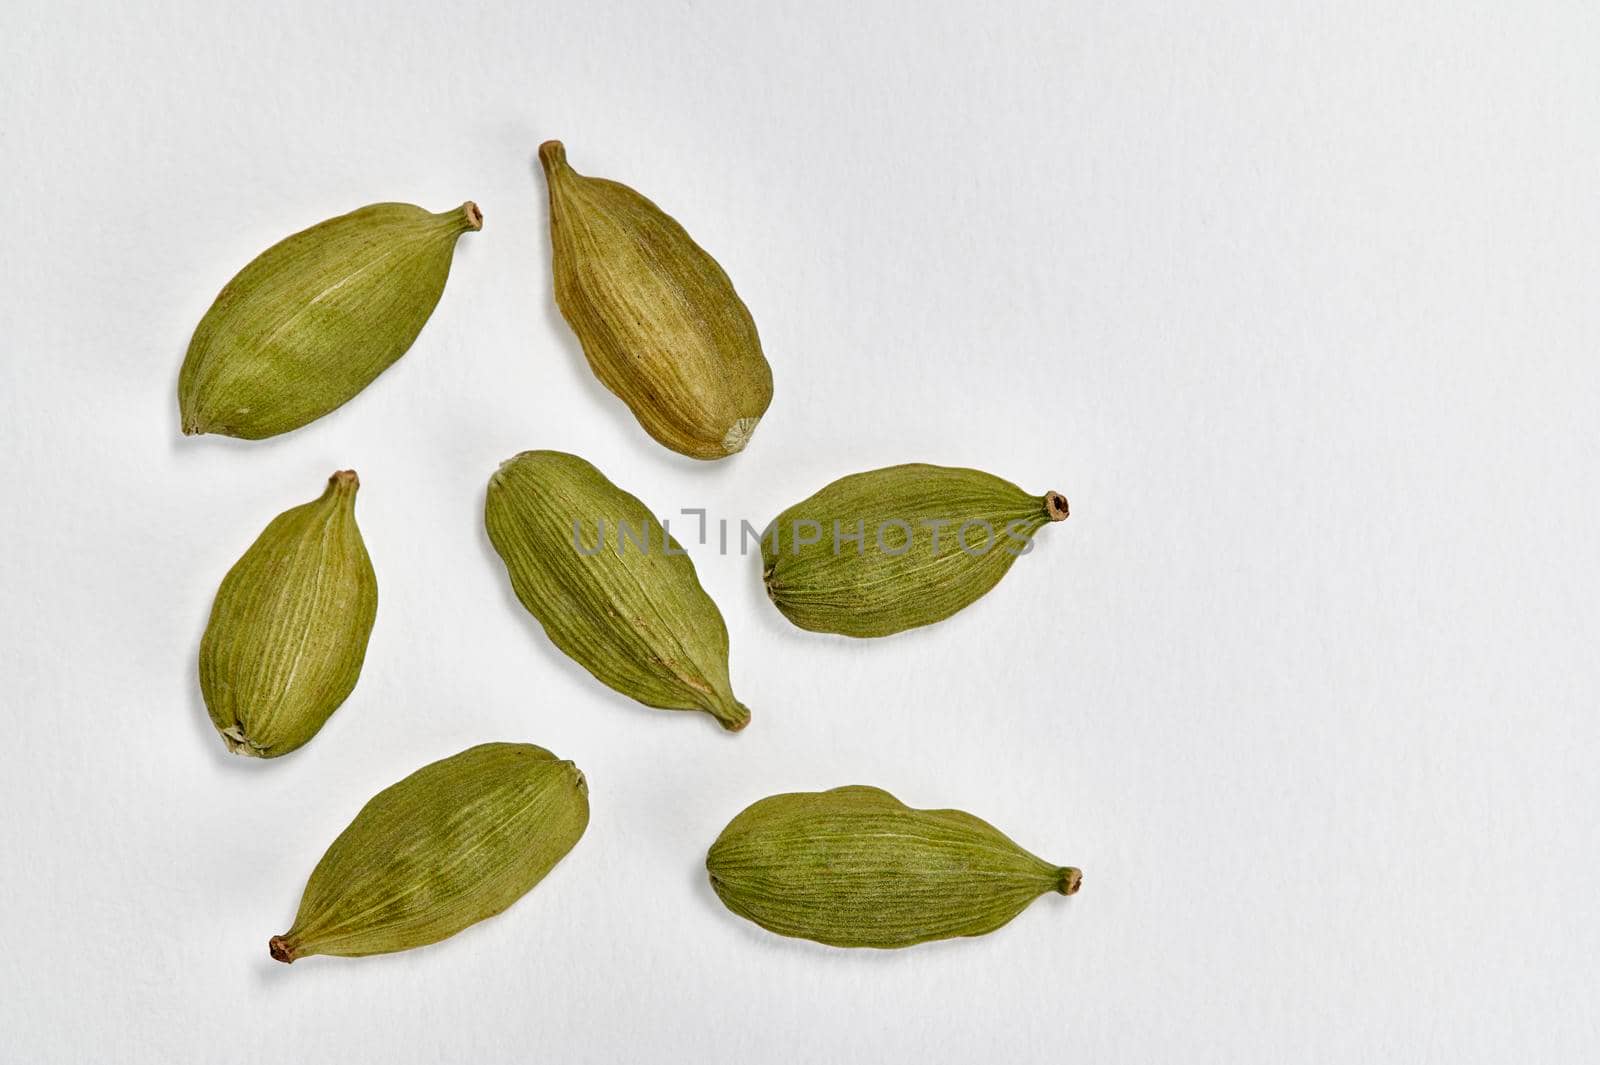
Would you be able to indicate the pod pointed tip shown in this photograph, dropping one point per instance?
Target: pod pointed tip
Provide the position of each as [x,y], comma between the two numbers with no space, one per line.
[1069,880]
[1055,505]
[734,717]
[552,155]
[281,950]
[472,216]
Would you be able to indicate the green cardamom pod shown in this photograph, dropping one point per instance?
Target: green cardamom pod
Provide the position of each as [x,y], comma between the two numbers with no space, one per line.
[611,586]
[880,552]
[289,626]
[658,319]
[316,318]
[856,867]
[453,843]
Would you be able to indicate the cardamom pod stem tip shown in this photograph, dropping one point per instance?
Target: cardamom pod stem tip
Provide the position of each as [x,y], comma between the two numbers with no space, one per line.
[1055,505]
[471,217]
[731,715]
[552,156]
[281,950]
[1070,880]
[344,482]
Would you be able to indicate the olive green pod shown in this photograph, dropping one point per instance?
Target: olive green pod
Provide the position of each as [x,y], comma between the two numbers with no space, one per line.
[451,844]
[880,552]
[289,627]
[612,588]
[856,867]
[658,319]
[316,318]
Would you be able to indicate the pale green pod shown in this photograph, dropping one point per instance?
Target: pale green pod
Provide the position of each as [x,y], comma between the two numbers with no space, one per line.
[316,318]
[453,843]
[612,588]
[880,552]
[289,627]
[856,867]
[658,318]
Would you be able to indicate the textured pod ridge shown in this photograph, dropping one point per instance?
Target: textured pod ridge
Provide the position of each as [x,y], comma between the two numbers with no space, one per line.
[879,552]
[612,589]
[659,322]
[454,843]
[289,627]
[315,318]
[855,867]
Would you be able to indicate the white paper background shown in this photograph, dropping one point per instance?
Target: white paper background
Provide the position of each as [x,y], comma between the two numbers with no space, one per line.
[1296,302]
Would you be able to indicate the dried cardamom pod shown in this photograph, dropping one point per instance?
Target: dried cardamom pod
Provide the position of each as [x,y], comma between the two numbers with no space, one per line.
[289,626]
[659,321]
[880,552]
[611,586]
[315,318]
[856,867]
[451,844]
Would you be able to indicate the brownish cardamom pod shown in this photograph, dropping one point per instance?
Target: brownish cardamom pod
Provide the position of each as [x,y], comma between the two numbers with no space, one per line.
[659,321]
